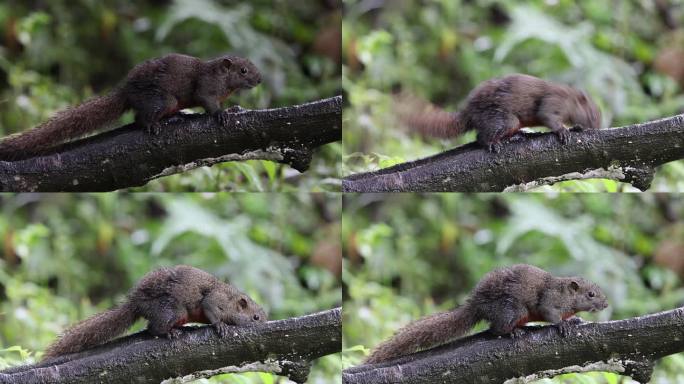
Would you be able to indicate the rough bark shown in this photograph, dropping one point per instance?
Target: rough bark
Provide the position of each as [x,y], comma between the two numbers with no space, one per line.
[629,154]
[128,156]
[285,347]
[628,347]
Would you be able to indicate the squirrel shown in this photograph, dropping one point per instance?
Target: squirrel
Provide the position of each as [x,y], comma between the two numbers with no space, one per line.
[507,298]
[498,108]
[154,89]
[167,298]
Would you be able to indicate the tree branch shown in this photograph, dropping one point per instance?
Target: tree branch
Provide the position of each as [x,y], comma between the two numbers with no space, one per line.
[629,347]
[628,154]
[285,347]
[128,156]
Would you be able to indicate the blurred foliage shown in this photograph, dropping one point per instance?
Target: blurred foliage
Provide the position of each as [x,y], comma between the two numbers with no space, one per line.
[54,54]
[66,257]
[626,54]
[409,255]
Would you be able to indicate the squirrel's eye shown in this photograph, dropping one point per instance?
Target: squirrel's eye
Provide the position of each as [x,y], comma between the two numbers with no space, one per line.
[591,294]
[256,317]
[243,70]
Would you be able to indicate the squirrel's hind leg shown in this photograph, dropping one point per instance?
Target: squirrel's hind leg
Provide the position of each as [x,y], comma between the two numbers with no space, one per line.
[164,321]
[507,318]
[150,108]
[493,127]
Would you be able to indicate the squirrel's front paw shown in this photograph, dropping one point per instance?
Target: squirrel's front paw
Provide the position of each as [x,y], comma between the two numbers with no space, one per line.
[221,118]
[494,147]
[174,333]
[575,320]
[565,327]
[518,136]
[577,128]
[222,329]
[517,333]
[154,128]
[235,109]
[563,136]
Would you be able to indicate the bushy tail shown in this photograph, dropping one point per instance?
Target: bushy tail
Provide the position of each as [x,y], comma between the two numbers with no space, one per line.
[427,119]
[428,332]
[65,125]
[93,331]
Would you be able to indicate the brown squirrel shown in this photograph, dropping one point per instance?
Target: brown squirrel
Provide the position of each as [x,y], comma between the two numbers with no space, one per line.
[155,89]
[167,298]
[498,108]
[507,298]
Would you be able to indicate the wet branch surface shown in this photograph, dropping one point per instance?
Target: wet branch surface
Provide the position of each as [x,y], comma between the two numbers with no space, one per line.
[628,347]
[285,347]
[129,156]
[629,154]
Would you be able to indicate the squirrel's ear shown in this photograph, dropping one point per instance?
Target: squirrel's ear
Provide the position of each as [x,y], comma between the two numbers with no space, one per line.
[242,303]
[574,285]
[583,98]
[223,65]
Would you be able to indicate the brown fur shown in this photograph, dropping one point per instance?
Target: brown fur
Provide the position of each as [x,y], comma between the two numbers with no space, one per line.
[155,89]
[507,298]
[167,298]
[498,108]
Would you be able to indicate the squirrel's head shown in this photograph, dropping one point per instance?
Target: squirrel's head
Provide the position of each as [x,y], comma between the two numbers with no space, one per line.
[588,296]
[236,72]
[246,311]
[586,112]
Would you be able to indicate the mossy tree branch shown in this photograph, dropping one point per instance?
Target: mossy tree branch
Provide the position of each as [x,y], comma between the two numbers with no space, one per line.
[628,347]
[128,156]
[629,154]
[284,347]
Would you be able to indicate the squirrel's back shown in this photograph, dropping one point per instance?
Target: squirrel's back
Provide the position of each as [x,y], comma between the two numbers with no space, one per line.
[520,281]
[185,284]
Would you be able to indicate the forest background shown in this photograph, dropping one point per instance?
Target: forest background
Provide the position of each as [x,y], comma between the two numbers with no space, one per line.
[55,54]
[65,257]
[626,54]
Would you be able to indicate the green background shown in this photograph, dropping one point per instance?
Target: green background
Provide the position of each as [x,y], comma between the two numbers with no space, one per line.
[439,50]
[409,255]
[54,54]
[66,257]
